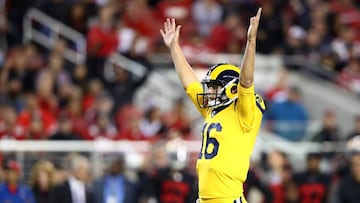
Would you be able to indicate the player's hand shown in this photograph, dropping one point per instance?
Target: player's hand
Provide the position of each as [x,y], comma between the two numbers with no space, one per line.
[171,32]
[253,27]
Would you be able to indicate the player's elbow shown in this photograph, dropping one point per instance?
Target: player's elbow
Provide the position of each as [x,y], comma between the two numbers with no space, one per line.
[246,82]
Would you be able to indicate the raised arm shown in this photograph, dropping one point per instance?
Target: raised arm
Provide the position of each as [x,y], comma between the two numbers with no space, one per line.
[248,63]
[247,100]
[170,36]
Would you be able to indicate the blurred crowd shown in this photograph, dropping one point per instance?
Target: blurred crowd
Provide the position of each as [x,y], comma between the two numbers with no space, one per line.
[289,117]
[167,175]
[43,96]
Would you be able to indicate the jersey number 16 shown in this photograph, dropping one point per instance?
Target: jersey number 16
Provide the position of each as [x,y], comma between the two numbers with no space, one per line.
[209,141]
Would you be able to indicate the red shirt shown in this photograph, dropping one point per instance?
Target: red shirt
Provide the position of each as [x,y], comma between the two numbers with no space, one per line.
[141,19]
[49,121]
[17,132]
[131,134]
[94,132]
[347,14]
[101,43]
[350,79]
[219,38]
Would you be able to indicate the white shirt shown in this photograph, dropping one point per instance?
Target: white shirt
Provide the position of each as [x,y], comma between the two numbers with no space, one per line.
[77,189]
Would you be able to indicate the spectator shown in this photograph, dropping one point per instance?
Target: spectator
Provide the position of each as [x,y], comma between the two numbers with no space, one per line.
[65,130]
[356,130]
[4,32]
[347,12]
[349,185]
[291,193]
[36,130]
[41,180]
[274,175]
[345,45]
[57,9]
[103,105]
[206,14]
[139,17]
[150,124]
[33,56]
[58,49]
[75,188]
[12,190]
[313,184]
[10,127]
[154,161]
[102,128]
[115,186]
[125,85]
[177,118]
[128,122]
[194,46]
[253,181]
[67,92]
[329,131]
[101,42]
[33,111]
[74,112]
[278,92]
[79,76]
[289,118]
[222,33]
[174,183]
[295,38]
[271,34]
[128,39]
[78,17]
[2,176]
[93,89]
[46,98]
[349,77]
[17,67]
[314,48]
[15,12]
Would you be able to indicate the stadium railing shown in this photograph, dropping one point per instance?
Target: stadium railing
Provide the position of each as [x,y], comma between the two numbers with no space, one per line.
[43,29]
[28,152]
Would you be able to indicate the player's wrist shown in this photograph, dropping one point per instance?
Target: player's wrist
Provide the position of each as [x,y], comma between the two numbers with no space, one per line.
[174,45]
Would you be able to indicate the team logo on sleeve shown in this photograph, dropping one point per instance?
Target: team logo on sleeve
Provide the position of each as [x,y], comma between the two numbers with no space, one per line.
[260,103]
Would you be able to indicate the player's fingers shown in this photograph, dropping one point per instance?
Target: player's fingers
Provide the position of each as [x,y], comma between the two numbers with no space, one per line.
[165,27]
[252,20]
[258,13]
[162,33]
[173,24]
[178,29]
[168,23]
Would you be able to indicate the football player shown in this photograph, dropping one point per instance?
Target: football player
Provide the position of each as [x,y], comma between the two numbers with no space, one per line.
[232,113]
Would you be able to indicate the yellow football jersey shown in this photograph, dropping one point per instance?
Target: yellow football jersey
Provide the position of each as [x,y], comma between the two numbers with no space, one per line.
[227,144]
